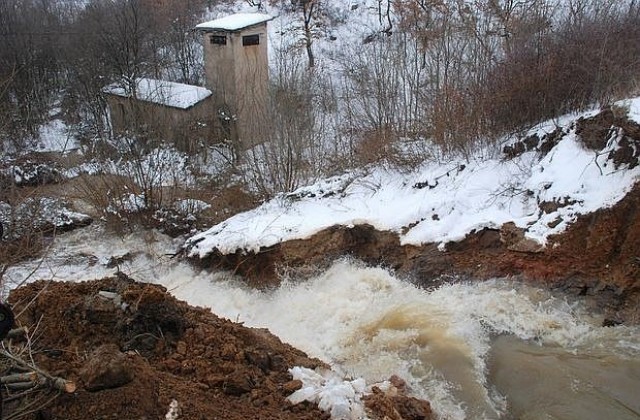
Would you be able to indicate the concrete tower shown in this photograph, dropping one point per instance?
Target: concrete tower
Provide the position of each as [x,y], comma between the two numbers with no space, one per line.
[237,70]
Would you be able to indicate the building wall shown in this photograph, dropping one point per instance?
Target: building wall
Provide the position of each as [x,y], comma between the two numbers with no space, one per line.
[177,125]
[239,75]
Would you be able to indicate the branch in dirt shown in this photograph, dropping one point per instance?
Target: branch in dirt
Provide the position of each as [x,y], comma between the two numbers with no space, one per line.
[31,380]
[34,377]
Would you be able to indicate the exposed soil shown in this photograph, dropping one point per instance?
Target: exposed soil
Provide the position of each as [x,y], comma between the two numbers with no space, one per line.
[598,257]
[133,350]
[596,131]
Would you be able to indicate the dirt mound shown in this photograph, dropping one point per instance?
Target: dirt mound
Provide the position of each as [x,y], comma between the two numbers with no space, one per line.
[132,349]
[135,352]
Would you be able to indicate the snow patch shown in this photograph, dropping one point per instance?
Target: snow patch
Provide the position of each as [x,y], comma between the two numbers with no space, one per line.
[333,394]
[439,203]
[56,136]
[174,411]
[190,206]
[235,22]
[161,92]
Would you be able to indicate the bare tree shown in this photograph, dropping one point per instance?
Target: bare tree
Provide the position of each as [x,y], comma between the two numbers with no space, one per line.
[294,151]
[309,12]
[123,38]
[31,34]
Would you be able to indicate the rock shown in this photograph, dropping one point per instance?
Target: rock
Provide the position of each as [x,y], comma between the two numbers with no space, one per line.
[117,260]
[552,224]
[610,322]
[399,383]
[549,207]
[514,240]
[145,344]
[292,386]
[395,405]
[107,368]
[260,359]
[101,310]
[237,383]
[411,408]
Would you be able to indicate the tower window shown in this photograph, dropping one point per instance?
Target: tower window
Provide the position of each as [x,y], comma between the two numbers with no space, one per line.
[218,39]
[250,40]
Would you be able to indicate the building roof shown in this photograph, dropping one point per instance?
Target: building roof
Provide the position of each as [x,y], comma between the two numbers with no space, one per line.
[172,94]
[235,22]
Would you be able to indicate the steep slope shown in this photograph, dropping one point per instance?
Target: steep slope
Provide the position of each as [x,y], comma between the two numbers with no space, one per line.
[558,206]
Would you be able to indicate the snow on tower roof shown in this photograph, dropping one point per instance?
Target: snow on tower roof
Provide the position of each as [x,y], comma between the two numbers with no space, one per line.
[235,22]
[172,94]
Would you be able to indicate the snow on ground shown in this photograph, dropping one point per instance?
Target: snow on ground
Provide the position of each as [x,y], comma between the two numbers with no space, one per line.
[441,202]
[163,166]
[56,136]
[38,213]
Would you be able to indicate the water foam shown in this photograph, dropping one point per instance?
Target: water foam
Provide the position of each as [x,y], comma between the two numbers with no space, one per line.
[367,323]
[364,321]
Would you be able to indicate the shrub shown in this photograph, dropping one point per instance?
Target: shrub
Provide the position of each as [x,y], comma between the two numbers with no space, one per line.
[592,58]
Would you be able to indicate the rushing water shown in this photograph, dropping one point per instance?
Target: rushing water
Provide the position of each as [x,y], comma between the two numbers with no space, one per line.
[494,349]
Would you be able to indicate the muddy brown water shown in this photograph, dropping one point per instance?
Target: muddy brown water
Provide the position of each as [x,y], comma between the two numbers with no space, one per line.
[491,349]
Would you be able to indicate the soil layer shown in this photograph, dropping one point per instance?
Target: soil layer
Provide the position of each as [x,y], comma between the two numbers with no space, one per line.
[597,257]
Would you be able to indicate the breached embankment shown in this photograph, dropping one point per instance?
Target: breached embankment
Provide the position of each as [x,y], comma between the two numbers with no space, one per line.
[597,257]
[558,208]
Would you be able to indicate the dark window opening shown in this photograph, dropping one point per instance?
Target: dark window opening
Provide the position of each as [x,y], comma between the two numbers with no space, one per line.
[218,39]
[250,40]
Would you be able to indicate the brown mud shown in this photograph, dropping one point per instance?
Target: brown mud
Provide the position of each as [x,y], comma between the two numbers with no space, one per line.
[133,350]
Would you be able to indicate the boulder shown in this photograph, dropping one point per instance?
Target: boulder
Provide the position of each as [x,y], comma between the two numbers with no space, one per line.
[514,240]
[107,368]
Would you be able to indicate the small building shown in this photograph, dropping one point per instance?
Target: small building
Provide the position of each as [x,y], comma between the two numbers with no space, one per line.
[234,104]
[167,109]
[236,66]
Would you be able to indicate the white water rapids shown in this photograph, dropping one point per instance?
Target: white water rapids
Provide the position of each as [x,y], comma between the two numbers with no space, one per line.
[494,349]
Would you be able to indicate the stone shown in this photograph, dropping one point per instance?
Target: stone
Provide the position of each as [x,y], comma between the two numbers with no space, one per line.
[393,406]
[145,344]
[411,408]
[106,368]
[514,240]
[292,386]
[100,310]
[237,383]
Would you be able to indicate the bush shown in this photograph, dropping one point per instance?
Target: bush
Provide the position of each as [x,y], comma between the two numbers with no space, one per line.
[590,59]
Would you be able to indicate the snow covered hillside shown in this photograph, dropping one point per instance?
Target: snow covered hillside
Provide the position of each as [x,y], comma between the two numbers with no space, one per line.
[541,190]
